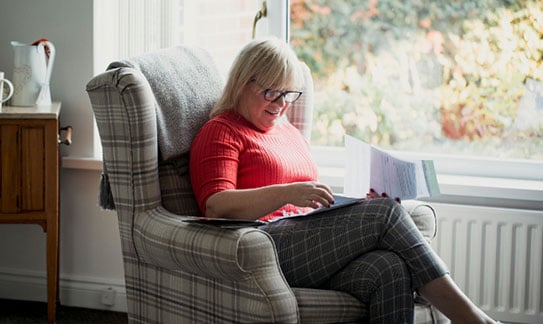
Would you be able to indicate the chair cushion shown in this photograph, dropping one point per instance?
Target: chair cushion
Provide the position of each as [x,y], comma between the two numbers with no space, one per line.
[175,188]
[328,306]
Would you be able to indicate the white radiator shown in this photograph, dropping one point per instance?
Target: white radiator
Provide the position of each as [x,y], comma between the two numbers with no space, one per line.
[496,257]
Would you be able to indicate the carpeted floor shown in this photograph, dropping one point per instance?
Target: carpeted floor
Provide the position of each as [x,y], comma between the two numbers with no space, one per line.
[22,312]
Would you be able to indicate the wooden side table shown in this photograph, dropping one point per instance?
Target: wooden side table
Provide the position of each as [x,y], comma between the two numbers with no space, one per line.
[29,179]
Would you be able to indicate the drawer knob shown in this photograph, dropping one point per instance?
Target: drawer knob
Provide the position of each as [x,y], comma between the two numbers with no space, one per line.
[68,139]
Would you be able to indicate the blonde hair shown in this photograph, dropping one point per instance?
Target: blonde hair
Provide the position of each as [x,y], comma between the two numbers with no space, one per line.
[270,61]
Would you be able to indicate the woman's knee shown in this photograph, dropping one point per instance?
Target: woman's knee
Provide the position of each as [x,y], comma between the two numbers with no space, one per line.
[385,206]
[387,265]
[375,272]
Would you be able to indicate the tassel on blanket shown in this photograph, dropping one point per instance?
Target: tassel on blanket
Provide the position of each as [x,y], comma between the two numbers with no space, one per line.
[106,197]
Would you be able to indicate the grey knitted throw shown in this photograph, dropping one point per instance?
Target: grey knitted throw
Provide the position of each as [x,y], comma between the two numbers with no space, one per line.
[186,84]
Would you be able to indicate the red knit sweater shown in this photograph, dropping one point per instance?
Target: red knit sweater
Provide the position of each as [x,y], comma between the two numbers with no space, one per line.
[230,153]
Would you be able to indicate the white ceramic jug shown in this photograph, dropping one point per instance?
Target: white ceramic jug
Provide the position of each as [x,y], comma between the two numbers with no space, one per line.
[2,91]
[32,72]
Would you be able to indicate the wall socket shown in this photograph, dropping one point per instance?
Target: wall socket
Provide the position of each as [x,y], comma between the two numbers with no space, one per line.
[108,296]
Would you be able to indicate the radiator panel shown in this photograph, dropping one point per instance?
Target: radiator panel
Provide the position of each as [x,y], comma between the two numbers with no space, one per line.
[496,257]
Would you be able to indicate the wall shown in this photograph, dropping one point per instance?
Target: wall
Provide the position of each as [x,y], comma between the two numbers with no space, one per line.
[90,253]
[90,258]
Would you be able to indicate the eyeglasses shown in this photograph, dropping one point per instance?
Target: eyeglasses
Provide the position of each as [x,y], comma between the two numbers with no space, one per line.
[274,95]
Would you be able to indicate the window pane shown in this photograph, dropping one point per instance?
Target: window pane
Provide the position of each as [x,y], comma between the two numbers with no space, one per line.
[220,26]
[129,28]
[453,77]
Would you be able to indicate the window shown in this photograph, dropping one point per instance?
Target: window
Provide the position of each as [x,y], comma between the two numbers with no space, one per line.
[127,28]
[460,81]
[385,86]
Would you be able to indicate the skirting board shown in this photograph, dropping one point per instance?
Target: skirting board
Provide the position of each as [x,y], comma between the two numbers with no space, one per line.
[73,291]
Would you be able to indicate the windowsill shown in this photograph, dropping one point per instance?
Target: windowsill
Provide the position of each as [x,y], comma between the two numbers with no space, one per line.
[457,189]
[462,180]
[487,191]
[82,163]
[491,187]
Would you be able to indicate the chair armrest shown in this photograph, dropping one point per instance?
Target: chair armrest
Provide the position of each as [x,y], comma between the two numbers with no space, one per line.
[424,216]
[239,265]
[162,238]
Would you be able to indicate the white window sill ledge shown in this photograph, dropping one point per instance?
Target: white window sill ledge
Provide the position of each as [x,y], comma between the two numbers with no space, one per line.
[499,192]
[487,191]
[82,163]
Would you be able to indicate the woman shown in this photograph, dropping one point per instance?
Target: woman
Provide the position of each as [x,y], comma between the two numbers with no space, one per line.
[249,162]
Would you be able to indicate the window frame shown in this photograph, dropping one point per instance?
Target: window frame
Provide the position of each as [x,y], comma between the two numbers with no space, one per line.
[483,180]
[489,182]
[478,180]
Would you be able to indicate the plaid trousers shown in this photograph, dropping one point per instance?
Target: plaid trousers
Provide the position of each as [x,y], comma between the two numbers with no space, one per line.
[372,250]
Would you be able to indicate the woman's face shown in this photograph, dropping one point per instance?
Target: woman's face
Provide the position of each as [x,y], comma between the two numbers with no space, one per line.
[263,114]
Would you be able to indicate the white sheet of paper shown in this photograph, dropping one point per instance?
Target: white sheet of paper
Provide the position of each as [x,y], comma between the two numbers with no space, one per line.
[356,180]
[391,175]
[406,179]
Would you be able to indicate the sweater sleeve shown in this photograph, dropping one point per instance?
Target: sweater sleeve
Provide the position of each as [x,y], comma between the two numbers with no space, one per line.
[214,159]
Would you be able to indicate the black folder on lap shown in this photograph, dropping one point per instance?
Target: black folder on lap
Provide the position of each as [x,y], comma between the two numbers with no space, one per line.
[340,201]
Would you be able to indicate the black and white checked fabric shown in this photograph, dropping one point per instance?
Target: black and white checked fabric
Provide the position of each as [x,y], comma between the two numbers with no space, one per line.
[325,250]
[381,280]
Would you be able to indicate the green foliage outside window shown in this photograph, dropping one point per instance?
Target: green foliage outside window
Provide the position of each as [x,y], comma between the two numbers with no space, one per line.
[444,76]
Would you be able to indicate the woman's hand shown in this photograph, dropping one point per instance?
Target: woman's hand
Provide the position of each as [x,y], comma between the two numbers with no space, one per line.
[310,194]
[374,194]
[257,202]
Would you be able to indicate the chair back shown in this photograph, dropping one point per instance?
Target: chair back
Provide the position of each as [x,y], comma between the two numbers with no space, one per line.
[148,109]
[300,113]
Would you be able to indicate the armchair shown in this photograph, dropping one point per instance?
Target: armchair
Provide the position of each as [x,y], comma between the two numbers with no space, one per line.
[147,110]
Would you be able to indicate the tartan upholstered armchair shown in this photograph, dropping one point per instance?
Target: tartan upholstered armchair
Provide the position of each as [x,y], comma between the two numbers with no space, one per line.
[147,110]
